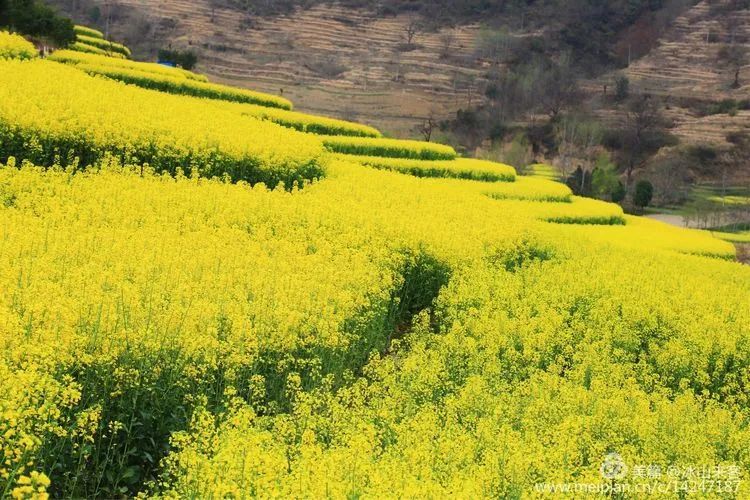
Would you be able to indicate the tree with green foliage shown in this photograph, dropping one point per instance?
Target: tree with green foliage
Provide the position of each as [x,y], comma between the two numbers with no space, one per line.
[518,153]
[644,193]
[619,192]
[30,17]
[184,59]
[605,182]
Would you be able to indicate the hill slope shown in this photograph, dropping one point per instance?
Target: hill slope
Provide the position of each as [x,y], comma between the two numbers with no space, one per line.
[685,67]
[336,61]
[201,301]
[328,55]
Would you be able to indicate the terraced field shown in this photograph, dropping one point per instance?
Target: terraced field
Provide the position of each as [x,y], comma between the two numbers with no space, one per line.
[685,69]
[340,54]
[203,300]
[686,61]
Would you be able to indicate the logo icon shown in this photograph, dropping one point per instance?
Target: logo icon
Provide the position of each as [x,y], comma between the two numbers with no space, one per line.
[613,467]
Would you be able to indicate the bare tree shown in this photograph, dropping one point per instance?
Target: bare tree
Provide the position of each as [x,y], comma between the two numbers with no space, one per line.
[642,135]
[558,87]
[518,153]
[366,65]
[411,30]
[107,18]
[578,137]
[733,25]
[427,127]
[670,178]
[447,41]
[735,56]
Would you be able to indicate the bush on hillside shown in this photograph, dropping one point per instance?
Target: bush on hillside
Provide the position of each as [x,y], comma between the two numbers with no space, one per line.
[184,59]
[644,193]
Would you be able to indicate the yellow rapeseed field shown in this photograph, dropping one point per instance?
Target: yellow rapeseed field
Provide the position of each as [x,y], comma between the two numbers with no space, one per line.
[149,75]
[105,45]
[76,57]
[90,49]
[87,31]
[96,61]
[391,148]
[49,111]
[198,303]
[460,168]
[13,46]
[178,84]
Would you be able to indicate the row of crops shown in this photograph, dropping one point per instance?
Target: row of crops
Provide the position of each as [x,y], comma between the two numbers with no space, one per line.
[15,47]
[254,104]
[463,168]
[206,298]
[49,111]
[96,119]
[89,40]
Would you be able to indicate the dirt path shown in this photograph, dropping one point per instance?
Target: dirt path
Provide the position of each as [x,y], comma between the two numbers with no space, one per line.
[743,249]
[743,253]
[674,220]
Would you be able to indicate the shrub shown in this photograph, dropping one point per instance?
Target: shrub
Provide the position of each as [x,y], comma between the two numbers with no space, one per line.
[702,153]
[184,59]
[622,88]
[74,58]
[644,193]
[725,106]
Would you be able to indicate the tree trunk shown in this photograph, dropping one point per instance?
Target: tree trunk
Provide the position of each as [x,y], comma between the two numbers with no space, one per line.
[629,177]
[583,181]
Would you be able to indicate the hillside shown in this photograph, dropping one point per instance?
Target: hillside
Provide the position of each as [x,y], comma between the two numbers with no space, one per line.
[685,63]
[209,293]
[686,70]
[321,57]
[351,63]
